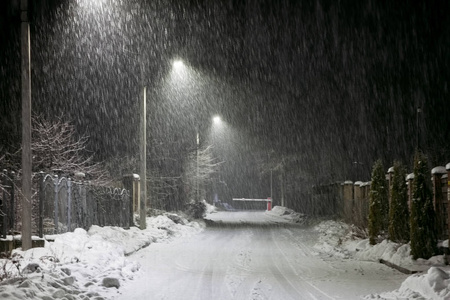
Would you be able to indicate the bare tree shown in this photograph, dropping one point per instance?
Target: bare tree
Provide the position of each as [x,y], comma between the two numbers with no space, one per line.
[57,146]
[199,167]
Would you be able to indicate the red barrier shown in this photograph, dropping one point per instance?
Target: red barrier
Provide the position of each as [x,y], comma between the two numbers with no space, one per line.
[269,204]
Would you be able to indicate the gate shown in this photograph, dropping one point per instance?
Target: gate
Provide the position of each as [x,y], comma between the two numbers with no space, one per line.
[268,200]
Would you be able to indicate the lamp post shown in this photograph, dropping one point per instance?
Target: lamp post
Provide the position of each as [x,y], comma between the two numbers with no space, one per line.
[143,159]
[26,125]
[217,121]
[142,144]
[197,167]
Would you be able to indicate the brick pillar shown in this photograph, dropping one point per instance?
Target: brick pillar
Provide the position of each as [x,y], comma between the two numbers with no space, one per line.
[357,203]
[448,198]
[358,197]
[132,183]
[348,201]
[437,173]
[365,203]
[390,175]
[409,180]
[444,188]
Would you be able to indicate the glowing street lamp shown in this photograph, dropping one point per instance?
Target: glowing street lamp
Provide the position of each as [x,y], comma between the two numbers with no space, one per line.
[217,120]
[178,65]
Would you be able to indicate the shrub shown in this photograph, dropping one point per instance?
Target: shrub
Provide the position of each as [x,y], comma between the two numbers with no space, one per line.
[398,208]
[423,217]
[378,203]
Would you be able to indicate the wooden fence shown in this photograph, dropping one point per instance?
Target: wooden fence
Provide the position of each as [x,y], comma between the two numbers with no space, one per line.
[353,203]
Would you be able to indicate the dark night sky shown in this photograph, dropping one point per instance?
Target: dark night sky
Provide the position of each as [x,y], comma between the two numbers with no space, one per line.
[336,81]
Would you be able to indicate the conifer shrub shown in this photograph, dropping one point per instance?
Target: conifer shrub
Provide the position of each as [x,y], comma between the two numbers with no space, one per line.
[423,216]
[398,208]
[378,203]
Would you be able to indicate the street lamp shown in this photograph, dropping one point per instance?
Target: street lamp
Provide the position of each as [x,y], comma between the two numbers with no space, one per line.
[26,125]
[217,120]
[178,65]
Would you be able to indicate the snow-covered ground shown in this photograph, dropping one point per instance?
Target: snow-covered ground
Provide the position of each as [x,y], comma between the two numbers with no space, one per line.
[326,261]
[430,281]
[84,264]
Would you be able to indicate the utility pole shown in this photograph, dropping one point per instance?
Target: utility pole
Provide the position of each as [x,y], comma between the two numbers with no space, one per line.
[26,124]
[143,159]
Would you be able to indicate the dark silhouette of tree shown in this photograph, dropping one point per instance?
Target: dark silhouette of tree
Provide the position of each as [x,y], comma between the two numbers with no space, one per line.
[398,208]
[423,216]
[378,203]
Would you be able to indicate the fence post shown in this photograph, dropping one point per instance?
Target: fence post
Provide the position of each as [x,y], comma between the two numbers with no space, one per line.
[390,177]
[444,187]
[448,198]
[131,183]
[69,204]
[348,200]
[41,204]
[437,173]
[410,179]
[3,206]
[55,181]
[357,205]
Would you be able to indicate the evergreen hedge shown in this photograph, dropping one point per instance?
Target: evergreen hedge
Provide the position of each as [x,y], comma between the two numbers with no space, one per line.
[423,216]
[398,208]
[378,203]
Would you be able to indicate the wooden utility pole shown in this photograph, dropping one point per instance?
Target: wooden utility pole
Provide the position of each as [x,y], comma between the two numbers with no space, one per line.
[26,124]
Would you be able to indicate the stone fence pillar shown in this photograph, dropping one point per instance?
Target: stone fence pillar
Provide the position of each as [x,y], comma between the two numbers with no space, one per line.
[409,182]
[390,175]
[448,199]
[347,192]
[438,202]
[132,183]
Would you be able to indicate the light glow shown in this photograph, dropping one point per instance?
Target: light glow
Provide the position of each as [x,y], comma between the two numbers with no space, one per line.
[217,120]
[178,65]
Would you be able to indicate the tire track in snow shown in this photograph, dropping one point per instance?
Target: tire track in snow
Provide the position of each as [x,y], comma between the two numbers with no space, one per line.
[302,288]
[219,253]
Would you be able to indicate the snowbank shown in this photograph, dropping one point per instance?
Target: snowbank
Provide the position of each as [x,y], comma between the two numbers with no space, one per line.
[210,208]
[85,264]
[432,281]
[286,214]
[434,284]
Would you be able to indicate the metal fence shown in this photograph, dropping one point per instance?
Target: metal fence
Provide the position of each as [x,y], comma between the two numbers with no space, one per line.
[7,208]
[61,204]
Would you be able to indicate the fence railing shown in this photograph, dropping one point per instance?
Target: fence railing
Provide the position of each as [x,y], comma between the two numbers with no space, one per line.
[61,204]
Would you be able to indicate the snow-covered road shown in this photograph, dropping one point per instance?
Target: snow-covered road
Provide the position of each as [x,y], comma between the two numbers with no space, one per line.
[247,255]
